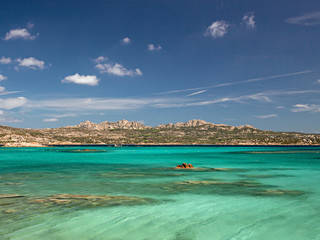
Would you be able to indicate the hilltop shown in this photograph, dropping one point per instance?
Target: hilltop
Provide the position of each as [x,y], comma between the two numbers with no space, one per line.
[131,132]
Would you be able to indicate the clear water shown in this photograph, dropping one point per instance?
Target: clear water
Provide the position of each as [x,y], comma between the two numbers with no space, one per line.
[267,193]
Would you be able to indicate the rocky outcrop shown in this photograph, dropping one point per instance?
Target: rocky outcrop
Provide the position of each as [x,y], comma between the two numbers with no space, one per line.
[87,125]
[125,124]
[11,196]
[184,165]
[122,124]
[246,126]
[191,123]
[195,123]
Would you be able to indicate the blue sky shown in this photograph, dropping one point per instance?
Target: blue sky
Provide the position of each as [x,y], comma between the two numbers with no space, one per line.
[233,62]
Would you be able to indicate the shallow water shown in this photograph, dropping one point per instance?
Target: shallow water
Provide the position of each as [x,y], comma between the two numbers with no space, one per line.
[261,193]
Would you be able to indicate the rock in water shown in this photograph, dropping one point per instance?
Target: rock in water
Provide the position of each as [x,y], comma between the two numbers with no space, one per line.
[184,165]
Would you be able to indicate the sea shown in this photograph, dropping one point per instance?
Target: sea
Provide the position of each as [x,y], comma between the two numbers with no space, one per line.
[136,193]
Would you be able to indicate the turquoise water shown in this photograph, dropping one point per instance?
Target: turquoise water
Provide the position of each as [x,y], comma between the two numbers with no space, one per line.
[261,193]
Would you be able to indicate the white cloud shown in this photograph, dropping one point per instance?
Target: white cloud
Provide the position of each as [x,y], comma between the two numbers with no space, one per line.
[6,93]
[31,62]
[257,97]
[63,115]
[267,116]
[260,97]
[1,112]
[152,47]
[117,70]
[217,29]
[306,108]
[309,19]
[100,59]
[125,40]
[196,93]
[2,77]
[21,33]
[11,103]
[9,120]
[248,19]
[50,120]
[102,104]
[90,80]
[4,60]
[237,82]
[2,89]
[30,25]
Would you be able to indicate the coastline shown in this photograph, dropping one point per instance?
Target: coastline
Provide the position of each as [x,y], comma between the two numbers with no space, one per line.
[157,145]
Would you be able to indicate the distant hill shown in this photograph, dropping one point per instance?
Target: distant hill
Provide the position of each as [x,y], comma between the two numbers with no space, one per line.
[131,132]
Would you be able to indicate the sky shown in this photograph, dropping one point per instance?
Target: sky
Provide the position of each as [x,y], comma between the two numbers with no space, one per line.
[234,62]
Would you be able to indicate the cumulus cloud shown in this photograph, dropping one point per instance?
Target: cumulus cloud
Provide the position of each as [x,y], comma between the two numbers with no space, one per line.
[217,29]
[100,59]
[309,19]
[2,77]
[126,40]
[1,112]
[152,47]
[50,120]
[248,20]
[11,103]
[266,116]
[2,89]
[117,69]
[20,33]
[31,62]
[90,80]
[4,60]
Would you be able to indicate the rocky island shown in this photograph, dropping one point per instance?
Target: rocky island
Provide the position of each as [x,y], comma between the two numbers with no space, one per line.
[193,132]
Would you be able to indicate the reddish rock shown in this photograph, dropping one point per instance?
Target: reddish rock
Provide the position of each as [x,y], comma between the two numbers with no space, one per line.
[184,165]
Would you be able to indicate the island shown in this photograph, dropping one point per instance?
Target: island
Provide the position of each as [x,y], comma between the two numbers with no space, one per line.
[123,132]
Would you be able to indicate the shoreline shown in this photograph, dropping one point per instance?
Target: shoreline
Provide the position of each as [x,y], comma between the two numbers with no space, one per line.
[158,145]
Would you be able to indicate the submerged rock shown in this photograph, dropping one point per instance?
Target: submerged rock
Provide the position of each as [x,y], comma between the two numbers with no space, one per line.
[203,169]
[240,183]
[9,211]
[51,200]
[244,187]
[139,174]
[277,192]
[84,150]
[12,183]
[265,175]
[75,200]
[11,196]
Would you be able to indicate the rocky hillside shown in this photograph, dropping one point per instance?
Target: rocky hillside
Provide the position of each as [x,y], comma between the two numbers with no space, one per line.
[130,132]
[122,124]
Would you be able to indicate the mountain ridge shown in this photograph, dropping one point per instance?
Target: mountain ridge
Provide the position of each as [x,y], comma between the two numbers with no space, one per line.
[125,124]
